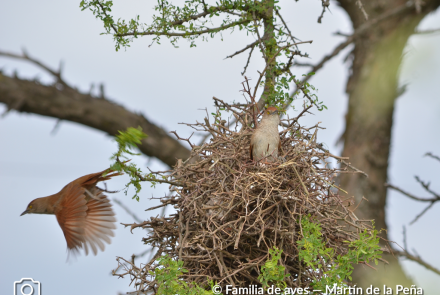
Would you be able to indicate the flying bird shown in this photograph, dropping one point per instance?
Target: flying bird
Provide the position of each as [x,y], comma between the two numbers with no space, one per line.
[265,140]
[83,212]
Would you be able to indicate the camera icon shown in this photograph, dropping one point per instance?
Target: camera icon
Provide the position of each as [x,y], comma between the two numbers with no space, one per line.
[27,286]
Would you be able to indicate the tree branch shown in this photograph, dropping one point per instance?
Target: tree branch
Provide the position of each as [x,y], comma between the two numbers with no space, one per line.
[426,32]
[432,156]
[173,34]
[418,260]
[425,185]
[251,46]
[69,104]
[411,196]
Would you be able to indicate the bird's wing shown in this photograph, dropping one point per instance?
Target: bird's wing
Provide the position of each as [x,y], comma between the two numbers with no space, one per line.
[94,178]
[71,215]
[85,223]
[99,222]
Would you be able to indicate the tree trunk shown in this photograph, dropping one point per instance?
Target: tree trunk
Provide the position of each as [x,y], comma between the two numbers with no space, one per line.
[372,90]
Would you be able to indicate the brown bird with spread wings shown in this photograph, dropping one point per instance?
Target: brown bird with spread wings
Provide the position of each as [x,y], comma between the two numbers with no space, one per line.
[83,212]
[265,141]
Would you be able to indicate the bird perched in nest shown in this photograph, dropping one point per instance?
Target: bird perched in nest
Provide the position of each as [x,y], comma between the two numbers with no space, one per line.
[265,141]
[83,212]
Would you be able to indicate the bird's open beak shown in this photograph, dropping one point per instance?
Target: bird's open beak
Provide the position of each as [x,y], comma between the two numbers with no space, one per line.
[24,212]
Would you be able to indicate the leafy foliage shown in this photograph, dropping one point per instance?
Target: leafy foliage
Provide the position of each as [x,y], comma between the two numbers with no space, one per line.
[168,281]
[312,251]
[195,19]
[338,268]
[127,141]
[168,275]
[272,272]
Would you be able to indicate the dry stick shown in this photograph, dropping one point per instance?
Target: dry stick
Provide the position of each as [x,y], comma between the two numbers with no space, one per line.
[253,104]
[245,267]
[340,159]
[302,183]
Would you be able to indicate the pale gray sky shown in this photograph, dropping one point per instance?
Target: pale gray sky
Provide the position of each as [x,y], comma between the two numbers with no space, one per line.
[170,86]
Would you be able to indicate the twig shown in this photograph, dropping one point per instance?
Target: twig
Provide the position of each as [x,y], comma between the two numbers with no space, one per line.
[248,60]
[432,201]
[25,56]
[325,5]
[418,260]
[432,156]
[411,196]
[361,7]
[251,46]
[405,245]
[421,213]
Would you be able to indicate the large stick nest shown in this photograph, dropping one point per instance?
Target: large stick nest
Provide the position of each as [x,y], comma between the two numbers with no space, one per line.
[231,210]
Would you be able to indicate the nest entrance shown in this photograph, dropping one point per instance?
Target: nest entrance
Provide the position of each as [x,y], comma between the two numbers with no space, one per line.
[231,210]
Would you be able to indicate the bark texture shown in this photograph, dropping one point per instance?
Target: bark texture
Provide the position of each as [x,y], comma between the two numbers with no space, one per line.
[65,103]
[372,90]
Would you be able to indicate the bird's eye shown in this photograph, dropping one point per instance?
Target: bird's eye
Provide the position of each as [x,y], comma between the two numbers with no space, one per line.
[30,207]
